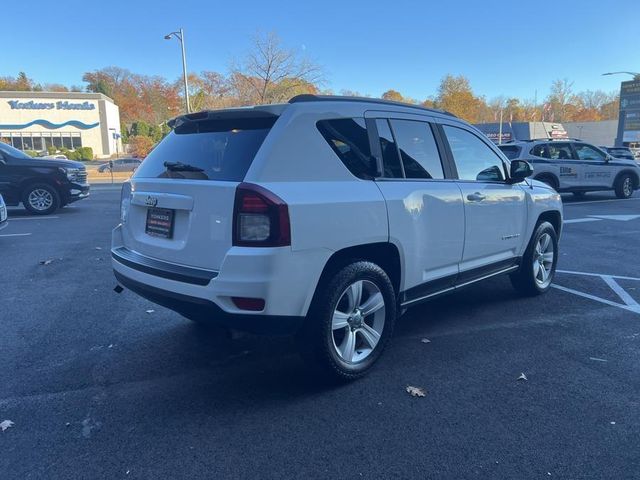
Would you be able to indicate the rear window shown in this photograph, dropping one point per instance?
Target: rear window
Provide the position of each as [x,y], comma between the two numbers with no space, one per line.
[510,151]
[348,138]
[207,150]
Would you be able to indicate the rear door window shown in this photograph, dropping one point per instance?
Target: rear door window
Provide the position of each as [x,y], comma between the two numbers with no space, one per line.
[418,149]
[220,149]
[540,151]
[348,138]
[390,159]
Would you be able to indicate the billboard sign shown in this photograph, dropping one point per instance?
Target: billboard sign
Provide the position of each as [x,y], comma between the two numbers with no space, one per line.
[629,120]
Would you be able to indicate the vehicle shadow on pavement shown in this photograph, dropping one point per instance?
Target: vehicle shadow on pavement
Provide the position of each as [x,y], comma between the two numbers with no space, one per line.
[208,364]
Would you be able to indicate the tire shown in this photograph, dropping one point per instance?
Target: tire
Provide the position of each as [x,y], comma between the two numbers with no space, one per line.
[624,186]
[338,339]
[549,180]
[41,199]
[537,270]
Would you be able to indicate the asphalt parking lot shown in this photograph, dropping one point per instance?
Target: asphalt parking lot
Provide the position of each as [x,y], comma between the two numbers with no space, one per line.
[103,386]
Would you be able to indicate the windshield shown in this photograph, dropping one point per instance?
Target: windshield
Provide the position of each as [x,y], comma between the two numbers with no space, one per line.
[208,150]
[12,152]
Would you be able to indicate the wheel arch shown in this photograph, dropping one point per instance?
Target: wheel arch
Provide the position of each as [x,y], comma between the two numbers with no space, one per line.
[384,254]
[553,217]
[634,176]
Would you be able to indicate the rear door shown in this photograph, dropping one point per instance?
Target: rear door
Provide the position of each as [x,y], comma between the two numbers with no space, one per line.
[183,193]
[425,210]
[571,171]
[495,211]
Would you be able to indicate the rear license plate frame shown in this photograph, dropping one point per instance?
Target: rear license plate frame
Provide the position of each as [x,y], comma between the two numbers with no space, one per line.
[162,222]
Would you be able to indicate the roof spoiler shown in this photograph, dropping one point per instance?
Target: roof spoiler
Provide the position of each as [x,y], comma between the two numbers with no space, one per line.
[223,114]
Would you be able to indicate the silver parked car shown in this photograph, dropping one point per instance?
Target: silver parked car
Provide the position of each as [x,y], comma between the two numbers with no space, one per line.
[575,166]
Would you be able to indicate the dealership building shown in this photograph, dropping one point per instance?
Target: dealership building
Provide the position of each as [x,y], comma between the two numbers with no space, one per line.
[38,120]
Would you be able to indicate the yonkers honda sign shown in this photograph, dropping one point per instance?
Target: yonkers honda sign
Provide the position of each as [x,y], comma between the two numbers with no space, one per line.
[60,105]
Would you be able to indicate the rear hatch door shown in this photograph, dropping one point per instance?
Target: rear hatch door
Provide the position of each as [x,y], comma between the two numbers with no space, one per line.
[182,195]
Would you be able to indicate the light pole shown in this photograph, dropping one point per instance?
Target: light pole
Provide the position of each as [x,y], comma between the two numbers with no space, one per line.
[180,36]
[636,75]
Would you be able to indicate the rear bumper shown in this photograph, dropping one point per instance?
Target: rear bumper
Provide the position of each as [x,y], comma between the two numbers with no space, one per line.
[284,279]
[206,311]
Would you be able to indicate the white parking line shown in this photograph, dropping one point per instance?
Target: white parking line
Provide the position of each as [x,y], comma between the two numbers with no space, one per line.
[624,296]
[630,303]
[570,204]
[15,235]
[32,218]
[598,299]
[581,220]
[588,274]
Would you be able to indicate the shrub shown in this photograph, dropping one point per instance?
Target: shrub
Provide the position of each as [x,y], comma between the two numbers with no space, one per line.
[84,153]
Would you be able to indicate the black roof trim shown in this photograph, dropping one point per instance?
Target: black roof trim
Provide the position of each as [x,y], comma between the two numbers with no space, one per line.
[339,98]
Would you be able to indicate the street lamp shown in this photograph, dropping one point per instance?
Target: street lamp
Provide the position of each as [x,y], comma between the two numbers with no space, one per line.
[180,36]
[636,75]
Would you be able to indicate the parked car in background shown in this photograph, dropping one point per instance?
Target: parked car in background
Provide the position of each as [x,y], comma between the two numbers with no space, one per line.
[4,216]
[120,165]
[41,185]
[620,152]
[57,156]
[575,166]
[326,218]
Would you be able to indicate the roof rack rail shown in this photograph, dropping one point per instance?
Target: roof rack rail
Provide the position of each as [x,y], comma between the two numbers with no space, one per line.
[307,97]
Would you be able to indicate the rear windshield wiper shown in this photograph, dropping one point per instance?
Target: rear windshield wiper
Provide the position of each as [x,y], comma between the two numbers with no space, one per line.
[182,167]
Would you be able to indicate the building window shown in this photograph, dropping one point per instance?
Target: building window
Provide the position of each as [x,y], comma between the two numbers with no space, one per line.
[41,141]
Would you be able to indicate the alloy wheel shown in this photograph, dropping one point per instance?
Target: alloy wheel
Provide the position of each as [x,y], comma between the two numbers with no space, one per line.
[543,259]
[358,321]
[627,188]
[40,199]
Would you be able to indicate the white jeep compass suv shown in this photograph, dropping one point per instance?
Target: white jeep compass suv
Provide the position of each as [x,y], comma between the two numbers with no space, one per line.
[327,217]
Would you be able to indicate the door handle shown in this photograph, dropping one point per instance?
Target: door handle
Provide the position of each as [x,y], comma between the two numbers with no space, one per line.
[475,197]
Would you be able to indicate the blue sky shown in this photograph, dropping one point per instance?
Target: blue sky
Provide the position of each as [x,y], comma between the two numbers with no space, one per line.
[510,48]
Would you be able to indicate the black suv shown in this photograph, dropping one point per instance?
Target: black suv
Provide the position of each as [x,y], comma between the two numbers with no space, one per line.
[42,185]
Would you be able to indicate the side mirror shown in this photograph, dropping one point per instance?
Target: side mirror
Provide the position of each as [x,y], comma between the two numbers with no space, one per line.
[608,158]
[520,170]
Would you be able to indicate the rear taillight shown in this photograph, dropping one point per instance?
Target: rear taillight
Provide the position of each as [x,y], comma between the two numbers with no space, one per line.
[260,218]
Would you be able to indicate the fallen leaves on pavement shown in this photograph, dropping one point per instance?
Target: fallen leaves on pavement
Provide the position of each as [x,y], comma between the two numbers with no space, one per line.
[6,424]
[415,391]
